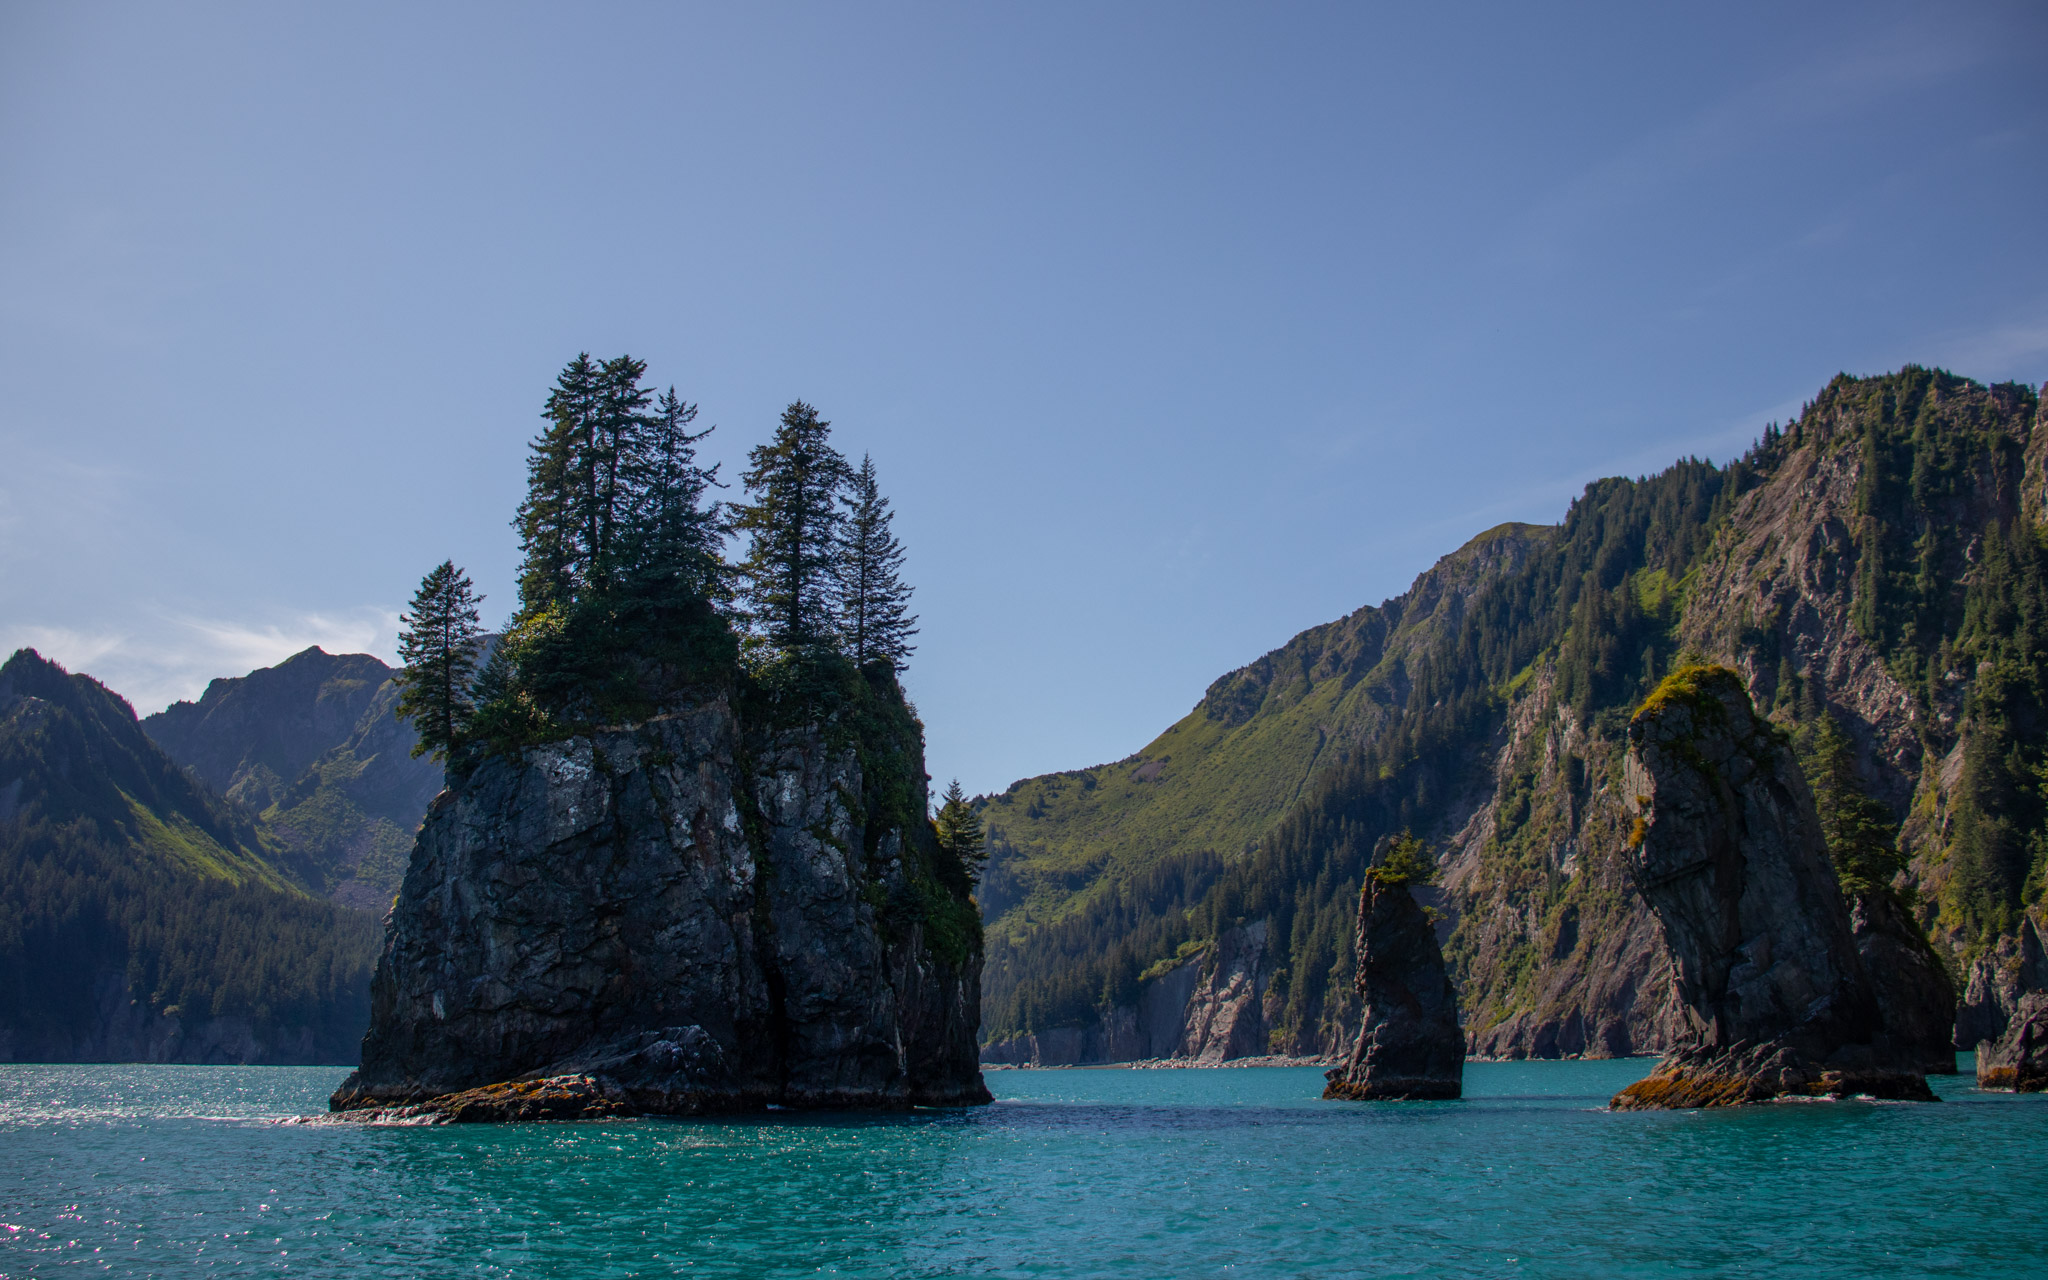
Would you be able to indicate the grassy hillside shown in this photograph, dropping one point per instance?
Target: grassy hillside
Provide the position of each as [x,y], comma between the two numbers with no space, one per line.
[312,747]
[1216,781]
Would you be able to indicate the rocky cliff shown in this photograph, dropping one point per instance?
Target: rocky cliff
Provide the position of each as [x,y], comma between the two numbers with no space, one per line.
[685,914]
[1727,850]
[2018,1059]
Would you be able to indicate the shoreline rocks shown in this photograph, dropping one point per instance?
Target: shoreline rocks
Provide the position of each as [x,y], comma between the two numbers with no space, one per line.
[2018,1060]
[1727,850]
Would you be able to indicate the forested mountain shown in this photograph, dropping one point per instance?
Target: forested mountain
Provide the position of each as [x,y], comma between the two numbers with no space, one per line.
[313,746]
[1875,569]
[141,917]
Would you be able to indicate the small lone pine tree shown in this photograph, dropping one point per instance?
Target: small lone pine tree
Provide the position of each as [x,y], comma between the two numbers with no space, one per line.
[960,831]
[794,520]
[439,647]
[1407,862]
[873,599]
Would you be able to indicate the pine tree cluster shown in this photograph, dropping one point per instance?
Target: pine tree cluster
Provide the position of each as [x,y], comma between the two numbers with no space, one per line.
[624,585]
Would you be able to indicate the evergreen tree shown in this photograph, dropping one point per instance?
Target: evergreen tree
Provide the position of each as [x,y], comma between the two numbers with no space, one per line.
[793,521]
[578,481]
[1861,836]
[960,831]
[620,426]
[672,539]
[874,624]
[439,649]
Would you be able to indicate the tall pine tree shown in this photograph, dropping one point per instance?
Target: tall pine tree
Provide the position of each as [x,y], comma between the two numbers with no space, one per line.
[578,481]
[793,522]
[439,648]
[873,600]
[672,538]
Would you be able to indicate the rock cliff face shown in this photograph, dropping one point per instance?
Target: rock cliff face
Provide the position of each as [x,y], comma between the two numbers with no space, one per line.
[1410,1047]
[1728,852]
[1213,1008]
[683,916]
[1997,980]
[2018,1059]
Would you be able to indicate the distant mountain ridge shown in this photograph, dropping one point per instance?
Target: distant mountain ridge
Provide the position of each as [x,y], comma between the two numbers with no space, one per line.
[1881,560]
[313,746]
[141,916]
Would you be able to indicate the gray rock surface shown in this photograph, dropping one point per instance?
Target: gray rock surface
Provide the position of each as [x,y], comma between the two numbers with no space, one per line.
[695,919]
[1916,998]
[1728,852]
[2018,1060]
[1410,1046]
[1996,981]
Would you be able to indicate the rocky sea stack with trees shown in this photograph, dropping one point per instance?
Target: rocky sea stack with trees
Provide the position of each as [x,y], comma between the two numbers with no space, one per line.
[1410,1046]
[683,863]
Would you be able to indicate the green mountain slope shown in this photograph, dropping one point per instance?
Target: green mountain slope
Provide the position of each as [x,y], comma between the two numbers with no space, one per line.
[1877,562]
[1216,781]
[313,747]
[140,915]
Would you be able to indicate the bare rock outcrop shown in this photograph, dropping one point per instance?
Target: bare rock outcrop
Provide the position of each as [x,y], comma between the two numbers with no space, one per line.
[1728,851]
[2018,1060]
[1997,980]
[1916,998]
[685,916]
[1410,1046]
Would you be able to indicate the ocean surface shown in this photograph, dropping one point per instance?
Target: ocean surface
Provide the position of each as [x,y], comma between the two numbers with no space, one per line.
[177,1171]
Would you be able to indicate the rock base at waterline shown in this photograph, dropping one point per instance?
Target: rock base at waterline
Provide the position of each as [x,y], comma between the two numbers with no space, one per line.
[1391,1088]
[1741,1076]
[555,1098]
[2018,1060]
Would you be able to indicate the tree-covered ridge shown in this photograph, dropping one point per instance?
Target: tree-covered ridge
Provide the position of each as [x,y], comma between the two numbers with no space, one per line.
[116,863]
[1501,729]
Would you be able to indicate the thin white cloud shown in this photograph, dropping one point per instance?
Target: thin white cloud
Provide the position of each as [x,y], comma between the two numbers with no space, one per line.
[163,659]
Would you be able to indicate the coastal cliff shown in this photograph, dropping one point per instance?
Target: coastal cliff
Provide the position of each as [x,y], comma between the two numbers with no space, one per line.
[1867,566]
[690,915]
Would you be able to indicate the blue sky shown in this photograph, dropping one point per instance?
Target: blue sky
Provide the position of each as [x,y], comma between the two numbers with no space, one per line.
[1173,329]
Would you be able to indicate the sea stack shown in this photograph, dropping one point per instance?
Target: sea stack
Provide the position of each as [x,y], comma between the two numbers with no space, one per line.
[683,915]
[1410,1047]
[1727,849]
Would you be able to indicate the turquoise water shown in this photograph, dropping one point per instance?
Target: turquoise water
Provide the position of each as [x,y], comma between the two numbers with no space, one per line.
[179,1171]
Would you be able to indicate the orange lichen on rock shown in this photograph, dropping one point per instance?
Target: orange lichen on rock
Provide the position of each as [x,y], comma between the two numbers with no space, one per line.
[577,1097]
